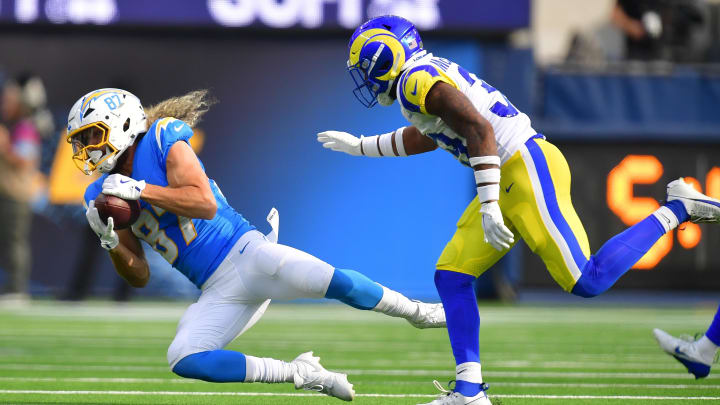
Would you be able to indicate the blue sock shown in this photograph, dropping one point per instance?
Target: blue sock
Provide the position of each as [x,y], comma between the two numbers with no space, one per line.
[213,366]
[679,210]
[463,321]
[618,255]
[354,289]
[713,333]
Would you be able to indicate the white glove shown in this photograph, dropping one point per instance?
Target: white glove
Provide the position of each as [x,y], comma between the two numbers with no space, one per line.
[123,187]
[340,142]
[108,237]
[496,233]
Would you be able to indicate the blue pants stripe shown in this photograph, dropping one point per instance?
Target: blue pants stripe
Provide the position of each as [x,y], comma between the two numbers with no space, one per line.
[550,198]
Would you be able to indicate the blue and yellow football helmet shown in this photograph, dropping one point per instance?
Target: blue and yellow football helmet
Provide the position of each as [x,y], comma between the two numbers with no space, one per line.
[378,51]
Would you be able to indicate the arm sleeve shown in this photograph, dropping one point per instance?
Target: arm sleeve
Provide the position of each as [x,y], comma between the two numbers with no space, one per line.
[167,132]
[415,85]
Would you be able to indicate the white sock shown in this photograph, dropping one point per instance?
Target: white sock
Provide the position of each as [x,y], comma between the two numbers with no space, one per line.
[395,304]
[470,372]
[667,218]
[265,369]
[706,348]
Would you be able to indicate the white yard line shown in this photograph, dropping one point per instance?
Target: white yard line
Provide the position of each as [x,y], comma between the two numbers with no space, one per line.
[149,312]
[490,365]
[104,380]
[531,374]
[277,394]
[494,383]
[600,385]
[400,372]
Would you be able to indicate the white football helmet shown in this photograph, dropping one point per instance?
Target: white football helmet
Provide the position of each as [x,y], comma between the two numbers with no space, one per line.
[101,126]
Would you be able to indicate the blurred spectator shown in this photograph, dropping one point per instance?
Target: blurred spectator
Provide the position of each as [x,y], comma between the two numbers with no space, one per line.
[640,21]
[671,30]
[24,122]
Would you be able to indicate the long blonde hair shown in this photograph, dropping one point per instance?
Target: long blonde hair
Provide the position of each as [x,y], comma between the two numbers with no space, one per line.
[188,108]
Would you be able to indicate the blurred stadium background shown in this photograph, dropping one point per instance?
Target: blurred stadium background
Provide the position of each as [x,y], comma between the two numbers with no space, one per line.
[631,97]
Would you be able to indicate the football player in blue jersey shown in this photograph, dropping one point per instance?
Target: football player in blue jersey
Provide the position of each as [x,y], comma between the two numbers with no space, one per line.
[696,354]
[523,182]
[187,220]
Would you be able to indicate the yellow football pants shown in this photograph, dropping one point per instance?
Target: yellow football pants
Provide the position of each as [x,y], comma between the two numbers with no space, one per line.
[535,202]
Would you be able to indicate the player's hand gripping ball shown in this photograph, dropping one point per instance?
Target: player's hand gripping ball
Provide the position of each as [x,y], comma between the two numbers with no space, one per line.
[123,212]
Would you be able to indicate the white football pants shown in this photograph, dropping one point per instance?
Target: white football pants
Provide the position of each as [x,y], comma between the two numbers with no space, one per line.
[237,294]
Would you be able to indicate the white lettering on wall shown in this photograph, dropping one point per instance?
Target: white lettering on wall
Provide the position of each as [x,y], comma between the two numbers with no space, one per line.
[425,14]
[285,13]
[26,11]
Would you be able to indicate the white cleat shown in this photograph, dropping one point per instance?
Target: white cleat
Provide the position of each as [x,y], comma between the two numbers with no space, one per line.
[428,316]
[456,398]
[684,351]
[312,376]
[700,207]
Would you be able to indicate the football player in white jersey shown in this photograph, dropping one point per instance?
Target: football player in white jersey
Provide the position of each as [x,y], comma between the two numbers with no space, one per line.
[188,221]
[523,183]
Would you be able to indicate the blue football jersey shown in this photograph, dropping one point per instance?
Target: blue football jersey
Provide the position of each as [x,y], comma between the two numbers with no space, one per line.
[193,246]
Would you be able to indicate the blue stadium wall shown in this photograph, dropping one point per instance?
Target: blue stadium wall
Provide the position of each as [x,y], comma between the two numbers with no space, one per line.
[388,218]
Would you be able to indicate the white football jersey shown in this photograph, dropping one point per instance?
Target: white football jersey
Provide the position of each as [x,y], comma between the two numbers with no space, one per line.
[512,127]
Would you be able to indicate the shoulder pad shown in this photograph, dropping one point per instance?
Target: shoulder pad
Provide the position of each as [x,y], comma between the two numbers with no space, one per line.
[167,131]
[416,83]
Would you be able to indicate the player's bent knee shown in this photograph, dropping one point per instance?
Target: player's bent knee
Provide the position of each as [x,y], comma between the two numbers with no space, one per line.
[190,366]
[586,289]
[181,348]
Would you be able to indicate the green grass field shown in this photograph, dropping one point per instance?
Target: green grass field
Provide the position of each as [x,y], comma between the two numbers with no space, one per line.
[96,353]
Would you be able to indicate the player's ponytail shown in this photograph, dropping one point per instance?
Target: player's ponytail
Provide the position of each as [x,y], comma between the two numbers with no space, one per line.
[188,108]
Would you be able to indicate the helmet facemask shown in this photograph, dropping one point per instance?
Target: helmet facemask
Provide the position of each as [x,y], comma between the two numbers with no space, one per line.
[91,146]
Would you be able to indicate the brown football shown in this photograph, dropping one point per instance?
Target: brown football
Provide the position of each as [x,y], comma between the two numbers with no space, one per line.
[123,212]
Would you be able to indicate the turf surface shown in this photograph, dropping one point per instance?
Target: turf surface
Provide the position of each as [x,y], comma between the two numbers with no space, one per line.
[101,353]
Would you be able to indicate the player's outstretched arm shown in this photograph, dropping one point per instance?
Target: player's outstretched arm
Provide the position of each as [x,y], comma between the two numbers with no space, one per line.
[187,194]
[403,141]
[456,110]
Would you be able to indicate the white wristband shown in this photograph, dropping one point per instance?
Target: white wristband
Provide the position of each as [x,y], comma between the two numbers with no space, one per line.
[369,146]
[484,160]
[487,193]
[399,141]
[487,176]
[381,145]
[386,148]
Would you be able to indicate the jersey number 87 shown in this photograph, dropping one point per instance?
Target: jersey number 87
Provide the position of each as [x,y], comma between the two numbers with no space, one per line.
[148,229]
